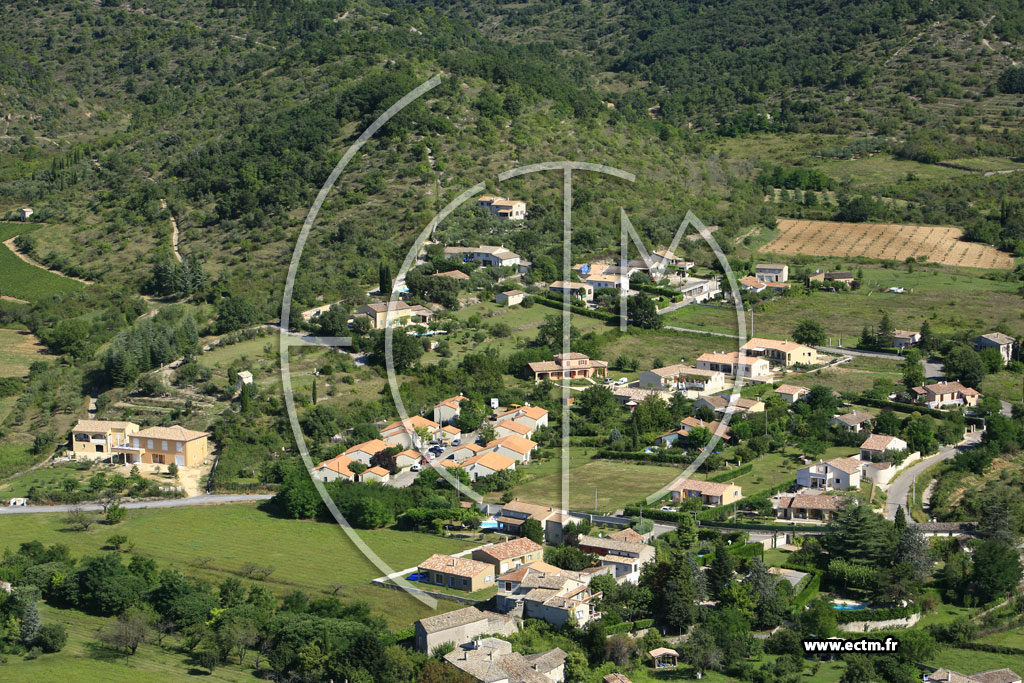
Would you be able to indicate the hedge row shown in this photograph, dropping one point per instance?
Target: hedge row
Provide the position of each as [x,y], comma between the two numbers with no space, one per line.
[808,593]
[656,457]
[627,626]
[728,475]
[901,407]
[654,289]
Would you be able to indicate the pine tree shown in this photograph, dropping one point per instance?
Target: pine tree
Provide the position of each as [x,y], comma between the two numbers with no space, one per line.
[31,623]
[901,519]
[720,572]
[927,343]
[886,338]
[314,391]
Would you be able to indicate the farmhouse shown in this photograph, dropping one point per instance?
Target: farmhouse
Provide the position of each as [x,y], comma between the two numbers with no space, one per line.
[486,464]
[681,377]
[771,272]
[448,410]
[944,394]
[852,422]
[626,557]
[576,290]
[335,468]
[403,433]
[842,276]
[735,364]
[806,506]
[502,208]
[97,438]
[492,660]
[997,340]
[568,366]
[529,415]
[399,315]
[512,297]
[696,290]
[784,353]
[722,405]
[460,627]
[510,554]
[460,573]
[838,473]
[749,283]
[542,591]
[486,254]
[710,493]
[791,393]
[877,444]
[166,445]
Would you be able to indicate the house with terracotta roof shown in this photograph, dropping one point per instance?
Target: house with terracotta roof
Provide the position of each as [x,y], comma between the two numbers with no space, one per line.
[460,626]
[365,451]
[449,434]
[452,275]
[749,283]
[820,507]
[448,410]
[165,445]
[377,473]
[407,458]
[680,377]
[852,422]
[403,433]
[568,366]
[486,464]
[399,314]
[576,290]
[942,394]
[710,493]
[627,558]
[734,364]
[838,473]
[997,340]
[990,676]
[791,393]
[510,427]
[486,254]
[771,272]
[510,554]
[96,439]
[784,353]
[515,513]
[334,468]
[877,444]
[466,450]
[533,416]
[459,573]
[905,338]
[502,208]
[541,591]
[608,280]
[512,446]
[511,297]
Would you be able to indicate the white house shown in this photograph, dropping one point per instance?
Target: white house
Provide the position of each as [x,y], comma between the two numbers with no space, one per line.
[905,338]
[877,444]
[333,469]
[486,464]
[997,340]
[448,410]
[578,290]
[852,422]
[404,432]
[510,427]
[365,451]
[734,364]
[512,297]
[839,473]
[791,393]
[513,446]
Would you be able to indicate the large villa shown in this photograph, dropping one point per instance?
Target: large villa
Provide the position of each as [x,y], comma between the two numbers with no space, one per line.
[568,366]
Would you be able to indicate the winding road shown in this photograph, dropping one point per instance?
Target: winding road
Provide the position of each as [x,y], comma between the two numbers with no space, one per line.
[899,489]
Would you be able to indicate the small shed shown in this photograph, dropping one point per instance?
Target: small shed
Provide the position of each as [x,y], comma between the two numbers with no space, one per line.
[512,297]
[26,213]
[244,377]
[664,658]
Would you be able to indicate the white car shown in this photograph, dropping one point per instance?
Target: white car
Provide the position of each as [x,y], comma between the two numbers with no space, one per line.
[666,508]
[622,380]
[415,468]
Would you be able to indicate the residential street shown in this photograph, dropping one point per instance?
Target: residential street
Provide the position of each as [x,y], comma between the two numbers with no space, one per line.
[208,499]
[900,487]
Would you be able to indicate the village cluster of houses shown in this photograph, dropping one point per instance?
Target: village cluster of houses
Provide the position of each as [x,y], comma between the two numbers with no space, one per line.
[121,442]
[512,445]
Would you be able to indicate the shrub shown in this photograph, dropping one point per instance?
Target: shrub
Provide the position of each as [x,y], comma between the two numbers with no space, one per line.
[51,638]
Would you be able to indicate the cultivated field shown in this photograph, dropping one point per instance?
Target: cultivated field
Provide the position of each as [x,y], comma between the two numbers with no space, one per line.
[888,241]
[23,280]
[20,350]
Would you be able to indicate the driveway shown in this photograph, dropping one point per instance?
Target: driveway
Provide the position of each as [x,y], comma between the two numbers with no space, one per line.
[842,350]
[899,488]
[208,499]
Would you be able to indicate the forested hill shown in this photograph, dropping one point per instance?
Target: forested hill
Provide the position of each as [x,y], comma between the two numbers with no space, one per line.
[233,112]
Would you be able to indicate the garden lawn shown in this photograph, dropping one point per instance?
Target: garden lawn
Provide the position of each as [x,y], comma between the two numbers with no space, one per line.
[973,661]
[1011,638]
[767,471]
[44,476]
[22,280]
[216,541]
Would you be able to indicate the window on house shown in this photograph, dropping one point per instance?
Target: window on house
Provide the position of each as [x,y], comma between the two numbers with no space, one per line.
[149,444]
[163,445]
[178,446]
[135,443]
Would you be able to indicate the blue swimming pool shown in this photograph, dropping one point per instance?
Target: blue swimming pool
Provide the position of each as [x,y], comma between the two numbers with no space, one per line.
[847,608]
[489,524]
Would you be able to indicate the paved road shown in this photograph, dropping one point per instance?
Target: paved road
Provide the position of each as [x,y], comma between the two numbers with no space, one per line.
[932,369]
[899,489]
[206,499]
[842,350]
[713,334]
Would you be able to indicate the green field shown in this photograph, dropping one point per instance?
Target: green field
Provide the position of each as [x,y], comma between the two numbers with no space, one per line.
[1004,385]
[617,483]
[20,350]
[972,661]
[215,541]
[24,281]
[855,376]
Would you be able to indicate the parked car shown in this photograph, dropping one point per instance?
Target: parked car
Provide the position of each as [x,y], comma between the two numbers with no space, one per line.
[416,468]
[622,380]
[436,450]
[666,508]
[456,442]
